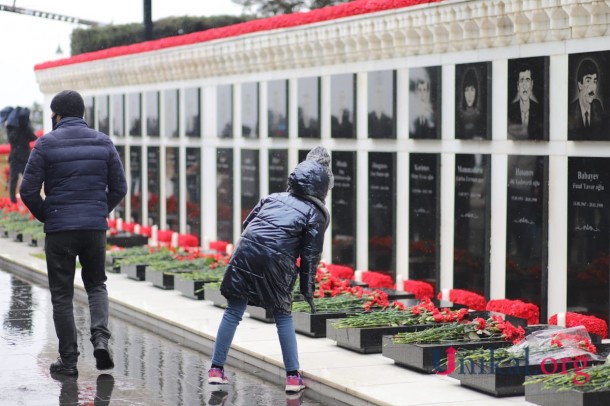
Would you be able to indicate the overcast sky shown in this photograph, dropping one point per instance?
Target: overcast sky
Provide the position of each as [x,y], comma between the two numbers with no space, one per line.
[27,41]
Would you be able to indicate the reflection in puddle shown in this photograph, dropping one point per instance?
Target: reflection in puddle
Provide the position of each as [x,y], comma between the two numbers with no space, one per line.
[149,370]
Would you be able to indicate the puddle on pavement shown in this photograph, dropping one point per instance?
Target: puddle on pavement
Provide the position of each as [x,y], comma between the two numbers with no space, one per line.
[149,370]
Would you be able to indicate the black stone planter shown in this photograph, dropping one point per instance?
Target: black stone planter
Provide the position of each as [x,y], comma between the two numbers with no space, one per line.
[127,240]
[190,288]
[32,241]
[366,340]
[426,357]
[504,380]
[15,235]
[258,313]
[397,295]
[573,397]
[136,272]
[112,265]
[215,296]
[160,279]
[314,325]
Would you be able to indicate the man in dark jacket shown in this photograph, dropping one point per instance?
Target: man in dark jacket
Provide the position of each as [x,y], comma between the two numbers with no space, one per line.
[20,134]
[83,182]
[262,271]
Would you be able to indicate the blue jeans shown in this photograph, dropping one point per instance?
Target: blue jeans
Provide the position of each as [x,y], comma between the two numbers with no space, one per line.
[230,320]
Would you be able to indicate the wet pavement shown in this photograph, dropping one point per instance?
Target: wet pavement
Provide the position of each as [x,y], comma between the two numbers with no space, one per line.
[149,369]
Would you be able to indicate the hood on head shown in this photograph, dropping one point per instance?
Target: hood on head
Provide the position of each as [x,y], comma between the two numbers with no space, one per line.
[309,178]
[320,155]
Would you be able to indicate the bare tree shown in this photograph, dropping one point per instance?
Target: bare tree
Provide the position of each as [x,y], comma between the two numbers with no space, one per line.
[266,8]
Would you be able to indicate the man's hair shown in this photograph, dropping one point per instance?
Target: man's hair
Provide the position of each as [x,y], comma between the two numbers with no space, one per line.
[587,67]
[524,67]
[68,103]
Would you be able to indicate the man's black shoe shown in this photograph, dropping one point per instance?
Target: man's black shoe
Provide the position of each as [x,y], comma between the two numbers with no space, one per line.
[103,359]
[58,367]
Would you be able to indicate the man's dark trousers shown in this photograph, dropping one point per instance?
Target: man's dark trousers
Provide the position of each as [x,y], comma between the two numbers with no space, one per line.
[61,250]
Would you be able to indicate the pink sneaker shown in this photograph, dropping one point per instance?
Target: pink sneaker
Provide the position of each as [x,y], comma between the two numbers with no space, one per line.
[216,376]
[294,383]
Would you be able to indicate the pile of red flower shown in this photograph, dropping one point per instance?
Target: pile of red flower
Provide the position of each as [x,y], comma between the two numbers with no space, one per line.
[420,289]
[377,280]
[594,325]
[467,298]
[561,340]
[515,308]
[339,271]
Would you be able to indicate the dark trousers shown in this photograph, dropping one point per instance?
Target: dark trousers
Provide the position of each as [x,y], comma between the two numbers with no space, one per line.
[16,168]
[61,251]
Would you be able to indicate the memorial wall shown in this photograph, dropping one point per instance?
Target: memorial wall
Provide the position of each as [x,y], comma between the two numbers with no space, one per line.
[470,140]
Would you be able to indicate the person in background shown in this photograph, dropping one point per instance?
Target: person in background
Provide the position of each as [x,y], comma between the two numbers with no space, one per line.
[83,182]
[20,133]
[263,268]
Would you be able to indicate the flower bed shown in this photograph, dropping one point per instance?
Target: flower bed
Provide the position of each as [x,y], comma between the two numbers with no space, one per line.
[502,372]
[570,389]
[364,332]
[353,300]
[423,350]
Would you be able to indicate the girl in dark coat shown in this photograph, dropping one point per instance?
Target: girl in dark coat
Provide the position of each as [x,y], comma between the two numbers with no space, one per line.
[262,271]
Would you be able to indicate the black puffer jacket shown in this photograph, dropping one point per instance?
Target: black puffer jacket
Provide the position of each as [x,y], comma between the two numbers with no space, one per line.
[281,228]
[82,174]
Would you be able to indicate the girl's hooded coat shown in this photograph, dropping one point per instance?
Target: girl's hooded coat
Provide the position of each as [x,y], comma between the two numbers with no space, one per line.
[281,228]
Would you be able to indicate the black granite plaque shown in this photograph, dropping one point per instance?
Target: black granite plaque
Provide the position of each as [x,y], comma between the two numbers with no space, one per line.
[172,188]
[382,104]
[89,110]
[250,181]
[278,170]
[134,117]
[588,96]
[343,208]
[193,191]
[192,112]
[154,185]
[472,217]
[302,154]
[277,109]
[588,231]
[526,230]
[308,94]
[118,115]
[343,106]
[528,98]
[224,112]
[152,114]
[171,108]
[102,105]
[425,90]
[424,218]
[249,110]
[135,189]
[224,194]
[119,211]
[382,212]
[473,101]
